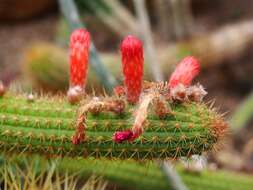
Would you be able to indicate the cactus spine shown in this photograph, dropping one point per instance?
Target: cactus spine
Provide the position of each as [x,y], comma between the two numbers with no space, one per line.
[47,125]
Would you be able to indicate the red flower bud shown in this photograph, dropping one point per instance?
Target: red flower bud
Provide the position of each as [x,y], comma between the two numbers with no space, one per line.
[185,72]
[132,63]
[121,136]
[79,57]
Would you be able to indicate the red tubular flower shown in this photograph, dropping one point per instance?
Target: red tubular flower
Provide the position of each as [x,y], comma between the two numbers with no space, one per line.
[185,72]
[132,63]
[79,57]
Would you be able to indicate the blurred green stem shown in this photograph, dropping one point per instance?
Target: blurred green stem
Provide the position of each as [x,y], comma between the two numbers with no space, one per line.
[243,114]
[123,14]
[153,60]
[172,176]
[136,175]
[182,18]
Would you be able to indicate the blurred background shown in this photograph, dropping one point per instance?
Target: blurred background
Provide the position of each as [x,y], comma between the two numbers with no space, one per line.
[34,51]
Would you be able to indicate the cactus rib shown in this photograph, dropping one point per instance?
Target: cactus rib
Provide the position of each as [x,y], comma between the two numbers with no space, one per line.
[47,125]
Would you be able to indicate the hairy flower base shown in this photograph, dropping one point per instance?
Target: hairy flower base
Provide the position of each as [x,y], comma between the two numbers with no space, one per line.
[47,125]
[75,94]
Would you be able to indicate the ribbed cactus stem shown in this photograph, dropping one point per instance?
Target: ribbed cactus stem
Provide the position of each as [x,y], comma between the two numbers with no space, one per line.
[137,175]
[47,126]
[148,176]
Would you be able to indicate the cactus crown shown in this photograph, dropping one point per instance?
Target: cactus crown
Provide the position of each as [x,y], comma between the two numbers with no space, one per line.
[142,120]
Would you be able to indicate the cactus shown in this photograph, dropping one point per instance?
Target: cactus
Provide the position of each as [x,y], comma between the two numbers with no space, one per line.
[148,176]
[28,174]
[134,175]
[46,67]
[47,125]
[170,120]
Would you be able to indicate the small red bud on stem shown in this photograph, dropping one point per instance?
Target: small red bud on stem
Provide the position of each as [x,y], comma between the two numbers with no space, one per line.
[121,136]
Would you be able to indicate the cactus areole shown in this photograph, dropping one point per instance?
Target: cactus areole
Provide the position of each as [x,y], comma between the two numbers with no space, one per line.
[142,120]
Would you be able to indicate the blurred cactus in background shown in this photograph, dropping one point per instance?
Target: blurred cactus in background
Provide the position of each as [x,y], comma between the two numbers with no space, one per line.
[46,67]
[120,174]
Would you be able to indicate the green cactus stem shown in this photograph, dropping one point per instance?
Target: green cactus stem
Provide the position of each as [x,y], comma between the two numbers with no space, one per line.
[148,176]
[136,175]
[47,125]
[242,115]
